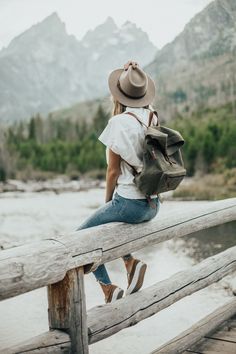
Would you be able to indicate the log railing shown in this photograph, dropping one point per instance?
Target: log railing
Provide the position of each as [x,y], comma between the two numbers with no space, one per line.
[59,264]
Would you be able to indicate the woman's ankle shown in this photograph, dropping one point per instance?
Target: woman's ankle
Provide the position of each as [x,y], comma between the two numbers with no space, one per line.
[127,257]
[105,286]
[129,263]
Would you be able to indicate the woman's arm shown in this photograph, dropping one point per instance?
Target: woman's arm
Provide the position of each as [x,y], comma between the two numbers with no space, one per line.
[112,174]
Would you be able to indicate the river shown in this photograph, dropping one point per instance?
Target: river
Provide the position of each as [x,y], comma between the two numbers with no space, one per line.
[26,217]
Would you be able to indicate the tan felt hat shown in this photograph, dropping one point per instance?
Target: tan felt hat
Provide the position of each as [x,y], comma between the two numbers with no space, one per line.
[131,87]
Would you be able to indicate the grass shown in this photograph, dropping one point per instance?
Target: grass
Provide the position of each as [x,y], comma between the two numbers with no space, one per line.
[208,187]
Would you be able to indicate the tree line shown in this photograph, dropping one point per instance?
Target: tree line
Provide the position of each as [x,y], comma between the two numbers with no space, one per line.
[72,147]
[210,136]
[59,146]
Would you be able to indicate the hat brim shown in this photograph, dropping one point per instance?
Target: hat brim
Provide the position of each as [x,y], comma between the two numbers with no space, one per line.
[127,101]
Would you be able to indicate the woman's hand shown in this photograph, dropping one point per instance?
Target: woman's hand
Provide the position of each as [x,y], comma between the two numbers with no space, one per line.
[130,62]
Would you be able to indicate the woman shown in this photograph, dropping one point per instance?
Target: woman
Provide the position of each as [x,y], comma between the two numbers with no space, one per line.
[132,91]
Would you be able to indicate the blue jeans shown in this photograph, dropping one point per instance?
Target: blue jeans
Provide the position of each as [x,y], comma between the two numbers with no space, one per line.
[124,210]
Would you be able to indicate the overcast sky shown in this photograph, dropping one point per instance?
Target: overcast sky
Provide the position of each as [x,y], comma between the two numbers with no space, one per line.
[161,19]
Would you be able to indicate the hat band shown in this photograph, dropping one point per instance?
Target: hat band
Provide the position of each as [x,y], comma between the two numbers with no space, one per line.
[129,96]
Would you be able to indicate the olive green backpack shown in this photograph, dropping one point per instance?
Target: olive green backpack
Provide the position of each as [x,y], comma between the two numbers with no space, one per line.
[163,167]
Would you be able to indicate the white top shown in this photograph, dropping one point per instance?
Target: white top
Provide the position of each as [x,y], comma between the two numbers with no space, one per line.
[124,135]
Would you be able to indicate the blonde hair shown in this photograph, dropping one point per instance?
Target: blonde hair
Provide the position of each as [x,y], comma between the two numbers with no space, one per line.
[118,107]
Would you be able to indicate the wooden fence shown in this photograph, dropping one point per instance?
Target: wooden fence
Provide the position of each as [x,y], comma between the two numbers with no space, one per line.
[59,264]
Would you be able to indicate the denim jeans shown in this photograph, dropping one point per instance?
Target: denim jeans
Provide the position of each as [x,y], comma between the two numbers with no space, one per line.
[124,210]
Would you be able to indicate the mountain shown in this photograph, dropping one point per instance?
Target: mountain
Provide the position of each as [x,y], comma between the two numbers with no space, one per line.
[108,42]
[198,68]
[194,71]
[44,68]
[109,47]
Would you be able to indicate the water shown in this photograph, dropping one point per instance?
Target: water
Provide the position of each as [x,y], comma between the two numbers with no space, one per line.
[26,217]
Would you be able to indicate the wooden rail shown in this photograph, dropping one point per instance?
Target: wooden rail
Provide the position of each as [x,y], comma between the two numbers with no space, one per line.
[59,264]
[219,340]
[199,329]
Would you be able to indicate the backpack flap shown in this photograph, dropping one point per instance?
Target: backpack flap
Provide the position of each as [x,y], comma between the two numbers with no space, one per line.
[154,135]
[175,140]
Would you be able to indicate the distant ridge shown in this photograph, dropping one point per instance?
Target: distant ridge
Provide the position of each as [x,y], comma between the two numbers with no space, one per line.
[44,68]
[195,71]
[198,68]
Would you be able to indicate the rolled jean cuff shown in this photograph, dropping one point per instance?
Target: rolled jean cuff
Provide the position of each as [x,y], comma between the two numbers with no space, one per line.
[102,275]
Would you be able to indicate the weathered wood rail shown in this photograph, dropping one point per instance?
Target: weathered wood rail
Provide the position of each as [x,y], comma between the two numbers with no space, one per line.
[221,340]
[198,331]
[60,263]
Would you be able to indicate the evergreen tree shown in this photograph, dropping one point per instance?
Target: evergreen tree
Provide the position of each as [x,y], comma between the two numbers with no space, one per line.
[100,120]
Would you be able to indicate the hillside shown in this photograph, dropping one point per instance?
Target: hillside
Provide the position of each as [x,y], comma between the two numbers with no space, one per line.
[195,71]
[198,68]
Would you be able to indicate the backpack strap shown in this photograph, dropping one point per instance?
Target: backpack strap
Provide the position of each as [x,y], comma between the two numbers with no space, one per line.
[133,168]
[134,115]
[151,115]
[150,202]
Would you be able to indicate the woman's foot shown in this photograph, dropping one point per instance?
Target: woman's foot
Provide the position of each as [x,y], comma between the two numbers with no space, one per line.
[135,275]
[112,292]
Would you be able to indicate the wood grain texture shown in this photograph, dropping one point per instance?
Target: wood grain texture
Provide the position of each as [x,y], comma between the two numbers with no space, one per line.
[217,346]
[52,342]
[45,262]
[199,330]
[226,332]
[67,309]
[108,319]
[31,266]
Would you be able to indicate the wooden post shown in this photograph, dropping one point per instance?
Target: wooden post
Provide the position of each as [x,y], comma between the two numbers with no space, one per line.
[67,309]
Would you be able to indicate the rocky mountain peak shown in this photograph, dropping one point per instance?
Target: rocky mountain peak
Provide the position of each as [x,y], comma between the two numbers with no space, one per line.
[103,30]
[53,19]
[45,68]
[128,25]
[110,23]
[52,25]
[198,67]
[210,33]
[214,24]
[49,30]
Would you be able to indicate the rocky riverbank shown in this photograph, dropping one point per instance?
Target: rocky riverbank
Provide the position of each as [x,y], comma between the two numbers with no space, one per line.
[207,187]
[57,185]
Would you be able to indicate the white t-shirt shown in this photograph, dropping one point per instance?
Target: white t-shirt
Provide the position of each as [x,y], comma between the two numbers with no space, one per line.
[124,135]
